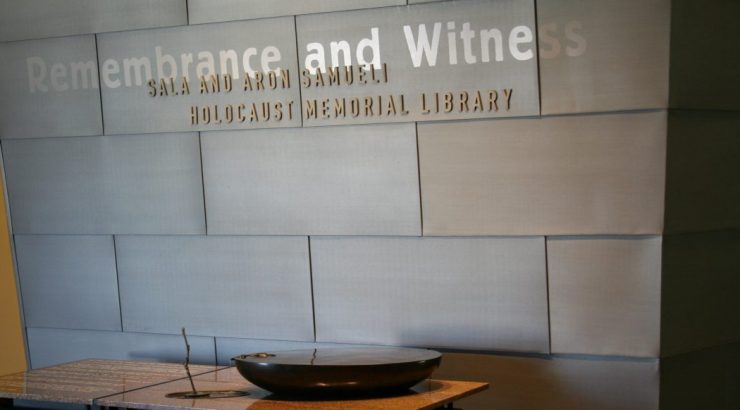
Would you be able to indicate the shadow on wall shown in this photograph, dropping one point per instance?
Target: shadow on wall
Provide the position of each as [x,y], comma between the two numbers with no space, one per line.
[708,379]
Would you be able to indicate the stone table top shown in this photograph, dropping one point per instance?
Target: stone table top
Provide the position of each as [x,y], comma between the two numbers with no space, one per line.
[84,381]
[430,394]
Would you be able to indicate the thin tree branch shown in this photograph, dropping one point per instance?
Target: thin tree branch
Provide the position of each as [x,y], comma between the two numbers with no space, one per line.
[187,361]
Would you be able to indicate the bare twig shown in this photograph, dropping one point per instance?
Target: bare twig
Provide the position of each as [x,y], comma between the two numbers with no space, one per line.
[195,394]
[187,361]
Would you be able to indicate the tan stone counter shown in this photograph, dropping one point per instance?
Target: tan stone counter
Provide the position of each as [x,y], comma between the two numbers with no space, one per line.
[84,381]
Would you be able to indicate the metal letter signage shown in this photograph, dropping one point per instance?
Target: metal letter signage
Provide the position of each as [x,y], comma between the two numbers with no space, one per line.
[471,59]
[207,77]
[441,61]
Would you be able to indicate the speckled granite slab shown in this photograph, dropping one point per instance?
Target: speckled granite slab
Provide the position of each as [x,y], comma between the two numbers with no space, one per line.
[429,394]
[84,381]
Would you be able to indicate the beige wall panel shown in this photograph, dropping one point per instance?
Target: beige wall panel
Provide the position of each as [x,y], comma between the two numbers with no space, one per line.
[701,284]
[703,171]
[705,55]
[605,295]
[473,293]
[28,19]
[68,281]
[229,286]
[533,383]
[322,181]
[132,184]
[603,55]
[207,11]
[596,174]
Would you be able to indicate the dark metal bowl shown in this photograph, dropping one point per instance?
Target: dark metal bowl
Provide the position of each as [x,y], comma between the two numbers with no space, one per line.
[338,371]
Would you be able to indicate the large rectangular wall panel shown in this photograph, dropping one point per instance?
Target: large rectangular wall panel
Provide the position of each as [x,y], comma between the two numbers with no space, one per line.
[605,295]
[49,88]
[256,287]
[535,383]
[701,285]
[28,19]
[104,185]
[440,61]
[48,347]
[68,281]
[207,77]
[703,171]
[328,181]
[208,11]
[473,293]
[603,55]
[593,174]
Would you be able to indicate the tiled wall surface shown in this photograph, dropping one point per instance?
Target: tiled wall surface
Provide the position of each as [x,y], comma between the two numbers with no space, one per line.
[125,184]
[64,276]
[443,292]
[216,285]
[205,11]
[614,277]
[603,55]
[595,174]
[354,180]
[545,230]
[50,18]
